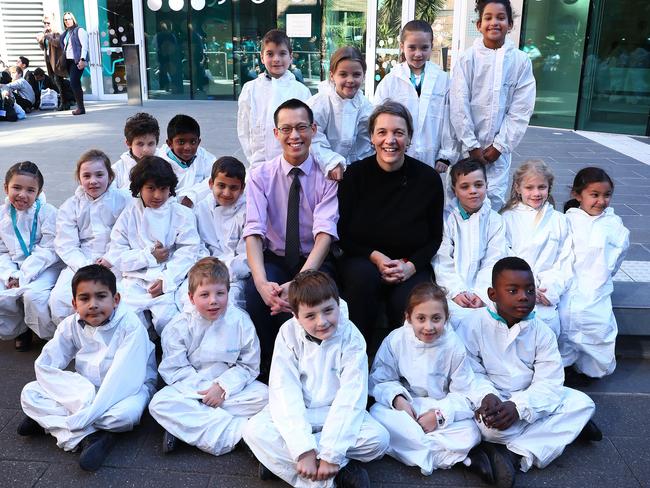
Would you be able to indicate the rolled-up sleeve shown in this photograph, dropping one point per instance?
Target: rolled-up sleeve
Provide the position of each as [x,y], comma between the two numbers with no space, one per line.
[256,205]
[326,212]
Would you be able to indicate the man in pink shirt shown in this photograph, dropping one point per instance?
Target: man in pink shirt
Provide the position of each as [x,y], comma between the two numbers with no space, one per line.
[291,217]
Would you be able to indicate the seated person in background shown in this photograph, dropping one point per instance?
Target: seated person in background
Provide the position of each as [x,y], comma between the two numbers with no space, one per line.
[474,238]
[529,417]
[114,376]
[210,354]
[42,82]
[316,421]
[22,90]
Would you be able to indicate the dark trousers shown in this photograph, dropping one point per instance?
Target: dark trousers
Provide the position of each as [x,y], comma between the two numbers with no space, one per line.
[267,325]
[75,82]
[364,291]
[23,102]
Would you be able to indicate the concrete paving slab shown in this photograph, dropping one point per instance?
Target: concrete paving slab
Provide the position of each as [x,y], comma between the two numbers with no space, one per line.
[618,418]
[388,470]
[6,414]
[631,376]
[237,482]
[18,474]
[63,476]
[635,452]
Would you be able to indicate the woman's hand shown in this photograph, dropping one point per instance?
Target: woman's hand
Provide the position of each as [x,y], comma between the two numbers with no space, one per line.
[397,271]
[81,64]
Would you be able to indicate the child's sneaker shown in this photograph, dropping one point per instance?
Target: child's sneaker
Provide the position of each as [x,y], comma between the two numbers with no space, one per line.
[352,476]
[590,432]
[169,443]
[95,448]
[29,427]
[480,465]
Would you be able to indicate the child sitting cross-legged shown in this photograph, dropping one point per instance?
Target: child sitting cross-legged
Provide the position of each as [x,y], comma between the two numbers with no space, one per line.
[425,387]
[316,421]
[529,415]
[211,357]
[114,375]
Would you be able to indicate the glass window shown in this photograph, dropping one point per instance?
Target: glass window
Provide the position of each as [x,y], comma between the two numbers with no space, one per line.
[553,36]
[115,28]
[615,94]
[389,21]
[344,25]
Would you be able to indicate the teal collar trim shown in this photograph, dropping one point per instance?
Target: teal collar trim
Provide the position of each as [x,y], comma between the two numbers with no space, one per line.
[463,212]
[417,84]
[498,317]
[179,161]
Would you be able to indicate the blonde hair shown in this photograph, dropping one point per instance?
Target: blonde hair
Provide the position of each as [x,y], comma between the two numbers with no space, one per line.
[74,19]
[54,26]
[208,270]
[528,168]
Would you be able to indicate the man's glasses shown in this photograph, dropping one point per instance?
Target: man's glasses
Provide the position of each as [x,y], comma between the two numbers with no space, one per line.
[288,129]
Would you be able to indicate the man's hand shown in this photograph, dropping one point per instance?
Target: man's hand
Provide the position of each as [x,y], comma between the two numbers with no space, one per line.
[401,403]
[306,466]
[213,396]
[156,289]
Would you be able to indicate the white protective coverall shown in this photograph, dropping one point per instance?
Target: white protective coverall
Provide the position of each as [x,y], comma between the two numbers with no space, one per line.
[317,400]
[26,306]
[432,134]
[342,125]
[523,365]
[122,168]
[198,353]
[258,100]
[192,179]
[544,240]
[133,238]
[589,327]
[220,229]
[114,378]
[430,376]
[491,101]
[471,244]
[83,230]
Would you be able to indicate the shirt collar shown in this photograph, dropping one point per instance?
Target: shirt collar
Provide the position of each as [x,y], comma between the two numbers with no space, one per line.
[498,317]
[463,213]
[305,166]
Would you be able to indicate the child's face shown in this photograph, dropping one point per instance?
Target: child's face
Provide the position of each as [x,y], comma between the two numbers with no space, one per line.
[210,299]
[296,142]
[470,189]
[428,320]
[347,78]
[94,302]
[226,190]
[514,295]
[22,191]
[533,190]
[494,25]
[595,198]
[142,146]
[154,196]
[319,321]
[417,49]
[276,58]
[93,177]
[184,145]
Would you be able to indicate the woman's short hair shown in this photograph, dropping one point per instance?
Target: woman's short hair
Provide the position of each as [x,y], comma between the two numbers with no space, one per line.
[392,108]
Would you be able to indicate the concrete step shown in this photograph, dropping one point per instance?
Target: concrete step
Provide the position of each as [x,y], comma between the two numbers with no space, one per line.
[631,302]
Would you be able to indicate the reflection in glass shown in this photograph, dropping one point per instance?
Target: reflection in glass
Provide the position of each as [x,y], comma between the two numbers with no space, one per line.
[553,35]
[115,29]
[344,25]
[615,93]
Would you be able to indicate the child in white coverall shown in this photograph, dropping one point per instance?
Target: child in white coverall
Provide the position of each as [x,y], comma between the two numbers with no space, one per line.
[211,357]
[114,375]
[316,421]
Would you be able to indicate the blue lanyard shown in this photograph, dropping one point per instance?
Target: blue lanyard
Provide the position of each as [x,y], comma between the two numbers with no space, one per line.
[32,237]
[178,161]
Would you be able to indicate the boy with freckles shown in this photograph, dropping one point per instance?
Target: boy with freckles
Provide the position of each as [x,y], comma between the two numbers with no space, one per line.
[529,417]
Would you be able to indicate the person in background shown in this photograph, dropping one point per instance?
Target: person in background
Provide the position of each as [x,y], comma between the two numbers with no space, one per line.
[50,42]
[74,43]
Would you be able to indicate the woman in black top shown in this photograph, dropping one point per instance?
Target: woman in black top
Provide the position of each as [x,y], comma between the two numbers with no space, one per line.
[390,223]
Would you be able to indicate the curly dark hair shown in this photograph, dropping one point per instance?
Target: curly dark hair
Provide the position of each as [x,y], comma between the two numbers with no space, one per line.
[152,168]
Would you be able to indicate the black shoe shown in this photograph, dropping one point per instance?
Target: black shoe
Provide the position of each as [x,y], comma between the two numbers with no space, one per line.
[170,443]
[29,427]
[502,464]
[590,432]
[575,379]
[352,476]
[24,341]
[265,473]
[481,465]
[95,448]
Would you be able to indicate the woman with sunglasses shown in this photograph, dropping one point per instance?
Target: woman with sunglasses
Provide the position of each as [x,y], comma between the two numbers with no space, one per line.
[50,42]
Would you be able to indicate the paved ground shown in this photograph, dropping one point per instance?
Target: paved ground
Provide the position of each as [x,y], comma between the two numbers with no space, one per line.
[54,141]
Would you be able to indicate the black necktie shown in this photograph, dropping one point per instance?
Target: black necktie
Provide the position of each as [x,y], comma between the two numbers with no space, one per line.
[292,239]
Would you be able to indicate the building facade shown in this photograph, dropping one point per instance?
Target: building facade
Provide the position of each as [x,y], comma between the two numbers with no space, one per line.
[591,58]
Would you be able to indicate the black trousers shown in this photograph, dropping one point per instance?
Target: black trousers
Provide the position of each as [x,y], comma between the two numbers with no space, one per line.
[364,291]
